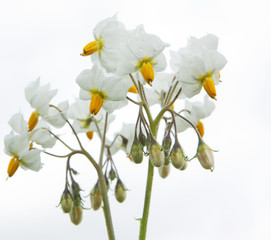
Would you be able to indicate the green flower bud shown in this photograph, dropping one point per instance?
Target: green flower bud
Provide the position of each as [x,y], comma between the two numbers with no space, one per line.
[164,171]
[76,215]
[112,174]
[142,139]
[120,191]
[205,156]
[137,151]
[184,166]
[66,201]
[157,156]
[96,197]
[76,194]
[167,142]
[177,156]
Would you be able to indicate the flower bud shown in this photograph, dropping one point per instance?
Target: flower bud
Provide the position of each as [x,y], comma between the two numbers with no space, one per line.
[66,201]
[164,171]
[177,156]
[184,166]
[96,197]
[76,215]
[205,156]
[76,194]
[137,151]
[142,139]
[167,142]
[112,174]
[157,156]
[120,191]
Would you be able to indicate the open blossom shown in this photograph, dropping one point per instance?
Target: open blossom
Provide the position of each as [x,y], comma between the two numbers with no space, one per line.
[39,98]
[108,35]
[199,65]
[143,52]
[99,88]
[56,118]
[84,121]
[40,134]
[194,112]
[17,146]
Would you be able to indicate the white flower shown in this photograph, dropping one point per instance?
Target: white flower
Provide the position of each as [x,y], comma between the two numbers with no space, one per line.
[55,118]
[40,134]
[84,121]
[143,52]
[17,146]
[99,88]
[198,65]
[124,139]
[108,34]
[194,112]
[39,98]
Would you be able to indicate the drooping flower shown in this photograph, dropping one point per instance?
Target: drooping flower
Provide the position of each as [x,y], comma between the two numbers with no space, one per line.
[17,146]
[194,112]
[39,98]
[99,88]
[84,121]
[198,65]
[143,52]
[108,35]
[57,118]
[40,134]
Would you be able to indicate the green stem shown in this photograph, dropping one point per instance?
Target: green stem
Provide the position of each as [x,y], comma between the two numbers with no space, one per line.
[145,216]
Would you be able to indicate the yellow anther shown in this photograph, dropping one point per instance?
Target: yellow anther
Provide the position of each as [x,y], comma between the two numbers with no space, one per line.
[172,107]
[90,48]
[200,128]
[33,120]
[209,87]
[132,89]
[147,73]
[95,103]
[219,75]
[13,166]
[89,135]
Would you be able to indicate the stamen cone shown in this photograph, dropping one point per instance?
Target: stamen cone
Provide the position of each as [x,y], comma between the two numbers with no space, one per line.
[95,104]
[90,48]
[12,166]
[147,73]
[33,120]
[89,135]
[200,128]
[209,87]
[132,89]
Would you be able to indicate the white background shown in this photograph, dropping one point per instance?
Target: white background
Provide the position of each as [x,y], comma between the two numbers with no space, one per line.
[44,38]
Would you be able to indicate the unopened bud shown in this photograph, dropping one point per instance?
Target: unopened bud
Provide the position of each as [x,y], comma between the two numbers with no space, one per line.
[164,171]
[142,138]
[167,142]
[205,156]
[76,215]
[96,197]
[137,151]
[177,156]
[157,156]
[120,191]
[112,174]
[76,194]
[66,201]
[184,166]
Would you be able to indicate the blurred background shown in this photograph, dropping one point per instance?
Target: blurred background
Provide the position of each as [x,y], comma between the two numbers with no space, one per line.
[45,38]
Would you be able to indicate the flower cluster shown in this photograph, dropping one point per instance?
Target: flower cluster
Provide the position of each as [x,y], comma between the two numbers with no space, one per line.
[123,61]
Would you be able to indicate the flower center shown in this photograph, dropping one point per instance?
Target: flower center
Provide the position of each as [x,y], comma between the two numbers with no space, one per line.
[95,103]
[147,73]
[93,47]
[132,89]
[13,166]
[200,128]
[33,120]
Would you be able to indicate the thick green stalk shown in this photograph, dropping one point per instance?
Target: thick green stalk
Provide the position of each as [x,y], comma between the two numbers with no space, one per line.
[145,216]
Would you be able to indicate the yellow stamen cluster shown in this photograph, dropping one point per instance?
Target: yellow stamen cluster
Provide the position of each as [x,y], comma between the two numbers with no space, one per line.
[33,120]
[132,89]
[147,73]
[92,47]
[95,103]
[89,135]
[209,87]
[13,166]
[200,128]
